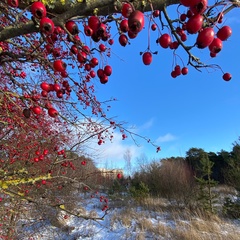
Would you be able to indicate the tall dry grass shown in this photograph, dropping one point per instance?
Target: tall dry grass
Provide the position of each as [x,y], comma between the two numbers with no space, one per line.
[157,219]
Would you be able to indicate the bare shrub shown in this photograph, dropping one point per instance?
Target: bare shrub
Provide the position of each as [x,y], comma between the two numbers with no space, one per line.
[170,178]
[177,181]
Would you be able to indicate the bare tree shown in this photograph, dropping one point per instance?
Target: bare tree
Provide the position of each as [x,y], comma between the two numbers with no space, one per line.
[128,162]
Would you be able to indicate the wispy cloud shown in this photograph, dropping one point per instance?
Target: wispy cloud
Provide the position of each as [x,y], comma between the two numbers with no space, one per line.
[166,138]
[147,124]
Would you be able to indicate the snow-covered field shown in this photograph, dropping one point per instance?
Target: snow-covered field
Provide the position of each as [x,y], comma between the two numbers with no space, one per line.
[126,220]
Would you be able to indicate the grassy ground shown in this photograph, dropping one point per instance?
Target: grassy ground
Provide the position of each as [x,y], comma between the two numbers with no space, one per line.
[155,218]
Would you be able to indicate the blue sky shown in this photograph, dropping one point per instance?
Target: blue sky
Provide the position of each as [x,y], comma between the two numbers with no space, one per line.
[197,110]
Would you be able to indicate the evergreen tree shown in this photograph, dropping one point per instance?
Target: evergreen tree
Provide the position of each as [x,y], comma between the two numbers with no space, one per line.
[206,197]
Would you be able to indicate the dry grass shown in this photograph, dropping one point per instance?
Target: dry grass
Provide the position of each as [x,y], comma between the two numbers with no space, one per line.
[157,220]
[199,229]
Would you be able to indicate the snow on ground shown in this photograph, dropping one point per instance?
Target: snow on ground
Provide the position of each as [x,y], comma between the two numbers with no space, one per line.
[119,223]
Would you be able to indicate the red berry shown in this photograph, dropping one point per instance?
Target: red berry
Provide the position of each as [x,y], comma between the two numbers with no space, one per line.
[215,46]
[119,175]
[205,37]
[147,58]
[44,93]
[100,72]
[104,79]
[126,10]
[88,31]
[82,57]
[183,17]
[173,74]
[94,23]
[64,74]
[56,87]
[123,40]
[59,94]
[46,25]
[37,110]
[174,45]
[52,112]
[189,13]
[101,31]
[136,21]
[45,86]
[59,65]
[44,182]
[87,67]
[227,76]
[48,105]
[72,27]
[13,3]
[92,74]
[184,37]
[110,41]
[38,10]
[108,70]
[156,13]
[154,27]
[94,62]
[198,6]
[124,25]
[102,47]
[224,33]
[194,24]
[165,40]
[184,71]
[45,152]
[177,70]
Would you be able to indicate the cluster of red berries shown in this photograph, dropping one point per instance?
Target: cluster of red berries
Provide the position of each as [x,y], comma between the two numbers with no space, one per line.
[39,156]
[132,23]
[195,21]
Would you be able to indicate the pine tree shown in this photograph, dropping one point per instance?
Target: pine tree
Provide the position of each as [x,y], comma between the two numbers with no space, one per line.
[206,197]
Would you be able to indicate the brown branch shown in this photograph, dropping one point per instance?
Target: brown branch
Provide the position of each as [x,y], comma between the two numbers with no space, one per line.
[186,48]
[80,10]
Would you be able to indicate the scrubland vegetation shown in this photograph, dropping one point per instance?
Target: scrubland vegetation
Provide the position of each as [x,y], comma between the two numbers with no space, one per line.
[195,197]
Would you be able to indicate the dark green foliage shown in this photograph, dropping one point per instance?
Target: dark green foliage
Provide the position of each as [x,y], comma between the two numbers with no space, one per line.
[232,208]
[232,174]
[206,197]
[117,187]
[139,191]
[193,157]
[220,160]
[220,163]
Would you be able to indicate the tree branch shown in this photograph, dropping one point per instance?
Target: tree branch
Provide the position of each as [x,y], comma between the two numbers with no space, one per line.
[81,10]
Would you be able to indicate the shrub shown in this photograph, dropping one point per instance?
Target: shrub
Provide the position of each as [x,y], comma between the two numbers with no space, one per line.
[139,192]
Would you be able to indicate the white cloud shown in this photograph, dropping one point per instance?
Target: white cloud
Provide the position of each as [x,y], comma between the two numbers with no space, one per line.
[112,152]
[147,124]
[166,138]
